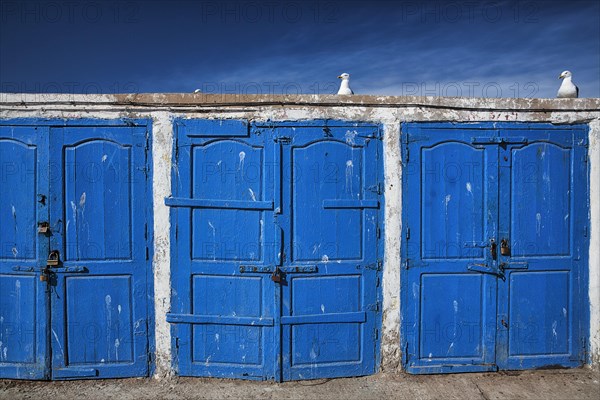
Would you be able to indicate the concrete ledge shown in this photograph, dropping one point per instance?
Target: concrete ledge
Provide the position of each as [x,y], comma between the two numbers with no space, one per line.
[175,100]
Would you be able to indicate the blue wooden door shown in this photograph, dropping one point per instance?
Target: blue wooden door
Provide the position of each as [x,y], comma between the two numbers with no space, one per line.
[329,215]
[24,319]
[223,306]
[74,300]
[492,279]
[99,216]
[542,297]
[275,233]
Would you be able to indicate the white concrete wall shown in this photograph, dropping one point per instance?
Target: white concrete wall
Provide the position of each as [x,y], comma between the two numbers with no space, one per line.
[388,111]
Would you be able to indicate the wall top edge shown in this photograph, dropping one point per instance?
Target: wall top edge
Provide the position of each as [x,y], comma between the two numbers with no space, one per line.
[200,100]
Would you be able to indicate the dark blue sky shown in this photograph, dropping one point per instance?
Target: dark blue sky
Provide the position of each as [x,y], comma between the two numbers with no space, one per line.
[439,48]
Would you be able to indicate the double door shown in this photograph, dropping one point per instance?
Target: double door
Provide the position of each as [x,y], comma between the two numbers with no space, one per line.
[74,254]
[494,247]
[275,267]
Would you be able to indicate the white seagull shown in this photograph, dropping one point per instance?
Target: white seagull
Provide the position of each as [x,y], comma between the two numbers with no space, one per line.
[345,85]
[567,89]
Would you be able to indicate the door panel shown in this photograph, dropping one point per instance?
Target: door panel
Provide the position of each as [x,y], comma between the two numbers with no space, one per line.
[540,196]
[542,299]
[23,300]
[451,212]
[275,233]
[329,316]
[526,299]
[98,205]
[223,303]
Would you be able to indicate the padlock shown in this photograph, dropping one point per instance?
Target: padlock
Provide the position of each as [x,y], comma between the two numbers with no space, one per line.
[504,248]
[43,227]
[276,275]
[53,258]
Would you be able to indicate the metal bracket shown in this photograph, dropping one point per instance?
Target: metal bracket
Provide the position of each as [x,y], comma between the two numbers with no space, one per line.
[376,188]
[269,269]
[283,139]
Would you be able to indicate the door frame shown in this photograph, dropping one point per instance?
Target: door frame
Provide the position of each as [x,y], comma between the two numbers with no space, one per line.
[178,126]
[149,210]
[407,208]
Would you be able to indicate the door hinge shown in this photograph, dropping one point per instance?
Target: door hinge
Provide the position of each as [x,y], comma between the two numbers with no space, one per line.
[376,188]
[147,253]
[405,264]
[375,334]
[147,145]
[375,266]
[374,307]
[405,354]
[378,232]
[177,343]
[376,134]
[585,231]
[407,233]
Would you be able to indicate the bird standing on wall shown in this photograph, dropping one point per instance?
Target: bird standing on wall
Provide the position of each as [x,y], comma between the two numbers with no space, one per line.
[567,89]
[345,85]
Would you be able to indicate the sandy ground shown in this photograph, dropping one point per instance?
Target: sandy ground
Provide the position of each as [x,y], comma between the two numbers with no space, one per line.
[542,384]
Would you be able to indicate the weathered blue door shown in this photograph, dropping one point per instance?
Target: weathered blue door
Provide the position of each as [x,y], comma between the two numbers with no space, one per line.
[24,303]
[275,233]
[494,250]
[87,213]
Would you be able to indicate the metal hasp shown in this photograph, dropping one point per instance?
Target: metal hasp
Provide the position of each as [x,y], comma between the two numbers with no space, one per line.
[269,222]
[497,215]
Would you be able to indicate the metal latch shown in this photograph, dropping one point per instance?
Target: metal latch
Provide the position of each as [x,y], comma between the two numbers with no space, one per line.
[43,227]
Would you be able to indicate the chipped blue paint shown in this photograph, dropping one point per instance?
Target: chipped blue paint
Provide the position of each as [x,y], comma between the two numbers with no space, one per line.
[250,198]
[522,186]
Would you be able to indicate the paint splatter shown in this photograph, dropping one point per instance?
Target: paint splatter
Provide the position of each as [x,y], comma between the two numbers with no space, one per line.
[469,188]
[325,258]
[538,224]
[242,158]
[322,308]
[349,136]
[82,200]
[349,173]
[252,194]
[104,157]
[455,304]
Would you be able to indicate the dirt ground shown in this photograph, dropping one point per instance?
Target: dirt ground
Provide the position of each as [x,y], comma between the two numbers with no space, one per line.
[542,384]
